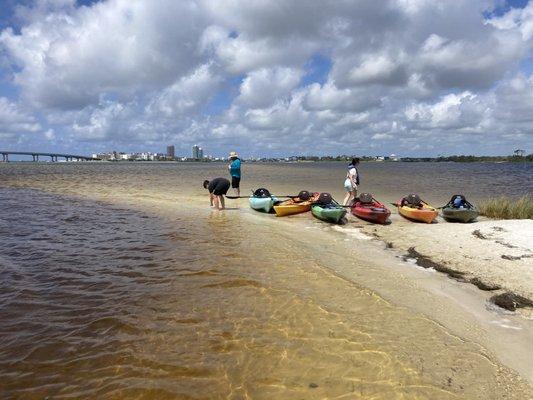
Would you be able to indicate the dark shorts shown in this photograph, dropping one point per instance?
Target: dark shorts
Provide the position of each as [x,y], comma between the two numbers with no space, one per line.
[235,182]
[219,186]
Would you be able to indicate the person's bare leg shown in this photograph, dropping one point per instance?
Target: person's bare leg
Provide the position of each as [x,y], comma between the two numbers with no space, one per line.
[238,191]
[222,202]
[347,198]
[350,197]
[216,201]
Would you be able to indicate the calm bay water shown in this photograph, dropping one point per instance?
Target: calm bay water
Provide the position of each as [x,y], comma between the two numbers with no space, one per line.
[118,281]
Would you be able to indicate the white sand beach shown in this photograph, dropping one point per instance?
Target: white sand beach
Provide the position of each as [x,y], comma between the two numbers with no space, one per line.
[495,255]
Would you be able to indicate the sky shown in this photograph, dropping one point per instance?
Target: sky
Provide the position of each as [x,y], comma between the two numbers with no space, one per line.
[267,77]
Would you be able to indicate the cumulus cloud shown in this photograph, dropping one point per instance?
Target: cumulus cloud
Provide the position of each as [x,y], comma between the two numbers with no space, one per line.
[102,122]
[186,94]
[123,73]
[467,64]
[514,103]
[329,97]
[69,56]
[453,111]
[263,87]
[378,68]
[516,18]
[15,120]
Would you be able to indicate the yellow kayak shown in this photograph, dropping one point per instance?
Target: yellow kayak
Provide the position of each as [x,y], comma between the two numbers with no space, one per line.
[295,206]
[424,213]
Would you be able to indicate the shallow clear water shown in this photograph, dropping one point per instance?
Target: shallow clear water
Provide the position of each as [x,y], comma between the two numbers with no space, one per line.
[117,281]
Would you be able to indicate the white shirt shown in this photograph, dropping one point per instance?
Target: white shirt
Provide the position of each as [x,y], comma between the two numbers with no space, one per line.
[352,175]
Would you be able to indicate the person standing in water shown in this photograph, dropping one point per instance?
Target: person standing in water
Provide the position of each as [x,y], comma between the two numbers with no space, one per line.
[235,172]
[351,182]
[217,188]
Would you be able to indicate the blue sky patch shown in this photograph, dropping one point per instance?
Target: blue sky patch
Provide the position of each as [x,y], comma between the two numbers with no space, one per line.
[505,7]
[317,70]
[221,100]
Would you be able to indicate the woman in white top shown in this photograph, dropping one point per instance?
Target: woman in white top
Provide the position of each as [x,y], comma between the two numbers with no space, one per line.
[351,182]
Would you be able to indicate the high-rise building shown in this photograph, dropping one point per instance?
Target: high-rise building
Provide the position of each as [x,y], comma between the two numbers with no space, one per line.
[170,152]
[195,151]
[200,153]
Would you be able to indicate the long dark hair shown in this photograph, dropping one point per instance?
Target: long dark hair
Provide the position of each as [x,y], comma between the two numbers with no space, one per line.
[355,161]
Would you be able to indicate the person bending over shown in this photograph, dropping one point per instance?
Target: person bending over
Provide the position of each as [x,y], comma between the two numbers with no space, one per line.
[217,188]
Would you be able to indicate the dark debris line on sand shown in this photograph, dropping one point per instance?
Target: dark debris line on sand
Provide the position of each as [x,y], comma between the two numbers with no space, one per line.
[514,258]
[508,300]
[477,233]
[426,262]
[511,301]
[484,286]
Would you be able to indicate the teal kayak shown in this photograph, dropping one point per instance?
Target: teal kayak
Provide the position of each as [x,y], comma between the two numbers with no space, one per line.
[263,204]
[329,212]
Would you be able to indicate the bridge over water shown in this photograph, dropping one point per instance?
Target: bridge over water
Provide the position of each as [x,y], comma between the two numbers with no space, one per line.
[53,156]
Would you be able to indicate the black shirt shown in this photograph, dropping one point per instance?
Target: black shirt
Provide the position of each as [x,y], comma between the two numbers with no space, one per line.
[218,186]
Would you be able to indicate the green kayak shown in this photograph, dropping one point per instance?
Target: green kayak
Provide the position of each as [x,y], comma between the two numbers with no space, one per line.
[459,214]
[459,209]
[329,212]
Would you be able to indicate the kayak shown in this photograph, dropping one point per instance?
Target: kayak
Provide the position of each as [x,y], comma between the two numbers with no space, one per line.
[294,206]
[459,209]
[263,204]
[459,214]
[424,214]
[374,211]
[329,212]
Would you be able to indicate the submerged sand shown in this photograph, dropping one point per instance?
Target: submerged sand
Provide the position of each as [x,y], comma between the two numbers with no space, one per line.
[495,255]
[440,329]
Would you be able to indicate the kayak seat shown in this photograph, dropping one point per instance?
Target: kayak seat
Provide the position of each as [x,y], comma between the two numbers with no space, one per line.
[304,195]
[413,200]
[366,198]
[324,199]
[262,193]
[459,201]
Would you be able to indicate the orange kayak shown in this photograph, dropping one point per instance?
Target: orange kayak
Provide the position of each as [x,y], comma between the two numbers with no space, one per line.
[425,213]
[295,206]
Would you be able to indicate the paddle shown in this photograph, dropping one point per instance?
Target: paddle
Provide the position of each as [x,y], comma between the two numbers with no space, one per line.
[248,197]
[337,203]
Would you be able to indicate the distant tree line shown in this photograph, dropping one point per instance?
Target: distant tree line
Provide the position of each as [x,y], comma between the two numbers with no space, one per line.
[513,158]
[314,158]
[456,158]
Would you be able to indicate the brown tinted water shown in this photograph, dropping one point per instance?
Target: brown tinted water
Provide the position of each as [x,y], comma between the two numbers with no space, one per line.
[118,281]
